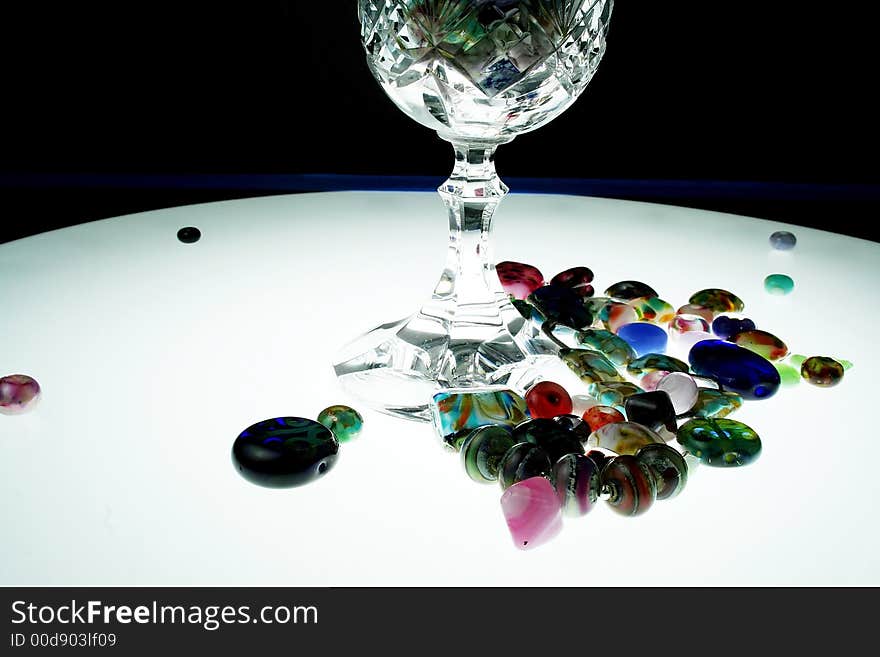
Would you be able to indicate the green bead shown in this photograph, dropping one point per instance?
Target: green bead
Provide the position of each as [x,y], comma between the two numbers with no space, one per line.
[719,301]
[590,366]
[796,360]
[715,403]
[790,376]
[613,393]
[846,364]
[778,284]
[483,450]
[614,348]
[345,422]
[654,363]
[720,442]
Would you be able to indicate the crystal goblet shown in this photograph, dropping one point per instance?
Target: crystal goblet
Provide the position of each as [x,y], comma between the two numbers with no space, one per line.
[479,73]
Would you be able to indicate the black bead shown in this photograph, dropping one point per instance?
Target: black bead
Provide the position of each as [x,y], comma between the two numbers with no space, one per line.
[523,461]
[651,409]
[575,425]
[550,436]
[189,235]
[561,305]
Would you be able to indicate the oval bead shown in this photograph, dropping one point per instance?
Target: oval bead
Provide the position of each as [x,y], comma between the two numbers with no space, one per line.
[718,300]
[523,461]
[762,343]
[284,452]
[652,309]
[623,437]
[615,314]
[688,323]
[598,416]
[590,366]
[782,240]
[560,305]
[550,436]
[19,393]
[682,390]
[614,393]
[482,451]
[577,484]
[644,337]
[519,279]
[345,422]
[547,400]
[720,442]
[822,371]
[576,279]
[736,369]
[613,347]
[779,284]
[715,403]
[631,486]
[656,363]
[668,467]
[693,310]
[626,290]
[728,327]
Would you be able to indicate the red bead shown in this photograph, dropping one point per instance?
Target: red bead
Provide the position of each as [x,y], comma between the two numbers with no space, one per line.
[548,400]
[576,279]
[599,416]
[519,279]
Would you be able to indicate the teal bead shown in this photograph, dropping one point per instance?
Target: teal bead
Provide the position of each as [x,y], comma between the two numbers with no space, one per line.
[615,349]
[669,468]
[345,422]
[482,451]
[720,442]
[457,412]
[590,366]
[715,403]
[613,393]
[779,284]
[654,363]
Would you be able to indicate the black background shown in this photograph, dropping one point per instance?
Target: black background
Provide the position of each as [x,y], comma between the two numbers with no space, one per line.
[773,91]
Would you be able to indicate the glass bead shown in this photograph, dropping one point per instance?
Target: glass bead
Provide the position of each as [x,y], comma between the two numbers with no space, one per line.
[626,290]
[284,452]
[189,235]
[654,362]
[615,314]
[720,442]
[651,380]
[652,309]
[847,365]
[779,284]
[599,458]
[782,240]
[796,360]
[822,371]
[788,375]
[550,436]
[345,422]
[560,305]
[762,343]
[651,409]
[547,400]
[523,461]
[644,338]
[482,451]
[682,343]
[623,437]
[19,393]
[598,416]
[716,403]
[576,279]
[668,466]
[575,426]
[580,404]
[717,300]
[682,390]
[532,511]
[590,366]
[632,486]
[735,369]
[519,279]
[614,348]
[613,393]
[728,327]
[594,306]
[457,412]
[577,484]
[687,323]
[693,310]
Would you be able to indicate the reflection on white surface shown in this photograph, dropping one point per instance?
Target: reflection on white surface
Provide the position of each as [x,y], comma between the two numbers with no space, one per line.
[153,355]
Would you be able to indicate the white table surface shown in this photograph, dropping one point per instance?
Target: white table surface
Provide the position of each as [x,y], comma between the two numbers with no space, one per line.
[153,355]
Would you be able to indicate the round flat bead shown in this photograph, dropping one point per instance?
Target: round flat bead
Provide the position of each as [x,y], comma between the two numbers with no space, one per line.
[615,314]
[631,485]
[532,511]
[693,310]
[189,235]
[284,452]
[822,371]
[519,279]
[576,279]
[728,327]
[720,301]
[345,422]
[561,305]
[550,436]
[598,416]
[626,290]
[656,362]
[547,400]
[682,390]
[715,403]
[523,461]
[668,467]
[590,366]
[575,426]
[779,284]
[644,338]
[19,393]
[735,369]
[686,323]
[652,309]
[782,240]
[720,442]
[613,347]
[577,484]
[762,343]
[483,450]
[623,437]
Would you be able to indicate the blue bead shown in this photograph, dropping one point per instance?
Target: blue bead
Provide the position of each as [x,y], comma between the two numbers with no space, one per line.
[727,327]
[644,338]
[735,369]
[561,305]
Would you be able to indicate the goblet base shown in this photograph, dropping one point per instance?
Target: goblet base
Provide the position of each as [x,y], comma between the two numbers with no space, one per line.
[397,368]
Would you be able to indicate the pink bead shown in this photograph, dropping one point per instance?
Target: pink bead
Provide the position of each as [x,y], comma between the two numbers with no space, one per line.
[651,380]
[18,394]
[533,512]
[519,279]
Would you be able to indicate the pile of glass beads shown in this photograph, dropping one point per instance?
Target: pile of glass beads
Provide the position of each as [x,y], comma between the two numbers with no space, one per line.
[558,454]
